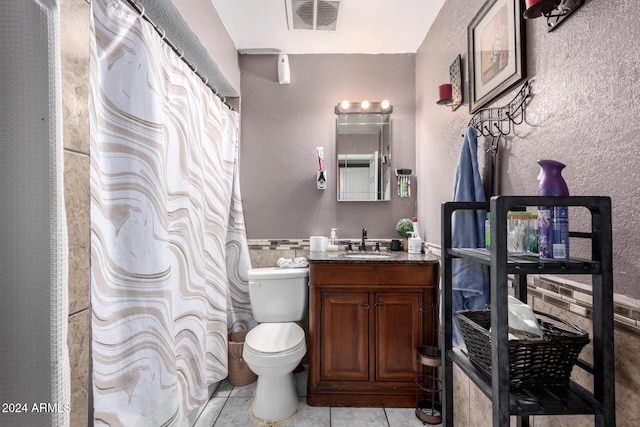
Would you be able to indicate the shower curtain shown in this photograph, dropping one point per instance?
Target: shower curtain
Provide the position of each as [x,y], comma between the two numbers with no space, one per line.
[169,257]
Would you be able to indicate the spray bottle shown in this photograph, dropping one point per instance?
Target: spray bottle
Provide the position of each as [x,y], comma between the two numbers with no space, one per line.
[553,222]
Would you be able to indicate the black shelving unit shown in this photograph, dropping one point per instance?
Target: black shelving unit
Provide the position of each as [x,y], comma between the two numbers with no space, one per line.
[524,402]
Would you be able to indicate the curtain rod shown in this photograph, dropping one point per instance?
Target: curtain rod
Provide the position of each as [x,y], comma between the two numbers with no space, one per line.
[161,31]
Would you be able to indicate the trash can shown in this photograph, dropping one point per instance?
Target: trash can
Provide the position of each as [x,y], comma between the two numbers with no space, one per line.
[239,372]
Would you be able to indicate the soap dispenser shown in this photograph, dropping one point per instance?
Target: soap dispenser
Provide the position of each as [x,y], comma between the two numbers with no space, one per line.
[333,241]
[415,244]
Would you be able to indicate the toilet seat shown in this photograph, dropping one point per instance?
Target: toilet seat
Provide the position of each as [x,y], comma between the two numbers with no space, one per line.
[270,339]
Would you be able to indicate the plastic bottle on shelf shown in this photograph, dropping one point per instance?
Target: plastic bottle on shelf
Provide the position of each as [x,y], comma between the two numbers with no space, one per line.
[487,231]
[553,222]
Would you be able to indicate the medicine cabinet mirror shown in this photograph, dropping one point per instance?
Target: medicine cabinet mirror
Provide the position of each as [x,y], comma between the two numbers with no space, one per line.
[363,151]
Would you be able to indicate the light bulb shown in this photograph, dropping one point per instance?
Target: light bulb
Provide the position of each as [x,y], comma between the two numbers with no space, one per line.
[344,104]
[364,104]
[385,104]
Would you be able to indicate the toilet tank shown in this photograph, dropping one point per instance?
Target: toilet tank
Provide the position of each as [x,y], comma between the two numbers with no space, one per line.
[279,294]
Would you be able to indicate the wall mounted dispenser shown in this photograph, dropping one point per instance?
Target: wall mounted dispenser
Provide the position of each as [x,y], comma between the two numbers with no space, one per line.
[321,175]
[404,182]
[284,72]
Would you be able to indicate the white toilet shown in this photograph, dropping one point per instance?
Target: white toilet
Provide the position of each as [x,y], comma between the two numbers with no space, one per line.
[273,349]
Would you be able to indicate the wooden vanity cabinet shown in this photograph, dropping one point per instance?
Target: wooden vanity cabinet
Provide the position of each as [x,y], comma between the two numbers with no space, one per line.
[365,323]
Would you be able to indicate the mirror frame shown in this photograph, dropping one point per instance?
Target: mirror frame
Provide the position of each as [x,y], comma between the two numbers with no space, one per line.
[376,116]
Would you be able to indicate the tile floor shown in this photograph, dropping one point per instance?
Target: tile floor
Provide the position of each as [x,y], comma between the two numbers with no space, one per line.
[229,407]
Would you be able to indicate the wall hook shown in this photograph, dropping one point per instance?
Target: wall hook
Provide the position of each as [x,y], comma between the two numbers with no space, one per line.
[512,113]
[498,123]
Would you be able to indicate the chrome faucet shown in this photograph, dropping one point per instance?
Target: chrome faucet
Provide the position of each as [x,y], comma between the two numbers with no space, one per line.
[362,246]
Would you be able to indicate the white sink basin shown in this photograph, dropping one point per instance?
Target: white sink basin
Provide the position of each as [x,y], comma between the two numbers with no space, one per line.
[368,256]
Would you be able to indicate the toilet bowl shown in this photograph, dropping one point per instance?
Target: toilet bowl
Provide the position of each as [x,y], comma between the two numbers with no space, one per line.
[272,351]
[274,348]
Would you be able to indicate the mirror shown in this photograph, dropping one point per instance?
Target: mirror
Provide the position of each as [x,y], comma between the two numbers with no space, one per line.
[363,151]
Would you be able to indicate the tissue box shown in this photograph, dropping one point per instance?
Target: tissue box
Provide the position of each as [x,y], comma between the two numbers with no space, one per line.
[541,363]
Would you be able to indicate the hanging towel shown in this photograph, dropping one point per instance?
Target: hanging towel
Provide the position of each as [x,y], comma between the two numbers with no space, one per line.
[470,279]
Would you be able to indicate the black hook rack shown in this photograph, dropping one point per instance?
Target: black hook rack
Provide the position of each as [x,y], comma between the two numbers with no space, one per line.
[498,122]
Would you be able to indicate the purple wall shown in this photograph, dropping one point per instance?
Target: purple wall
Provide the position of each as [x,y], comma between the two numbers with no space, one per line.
[282,125]
[584,112]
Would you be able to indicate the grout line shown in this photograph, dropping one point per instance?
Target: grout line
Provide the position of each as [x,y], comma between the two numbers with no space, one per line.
[79,311]
[221,409]
[71,150]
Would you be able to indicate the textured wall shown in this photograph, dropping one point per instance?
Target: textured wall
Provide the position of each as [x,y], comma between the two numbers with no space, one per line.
[584,112]
[282,125]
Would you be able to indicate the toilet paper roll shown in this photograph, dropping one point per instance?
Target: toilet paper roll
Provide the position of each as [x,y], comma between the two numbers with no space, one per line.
[318,243]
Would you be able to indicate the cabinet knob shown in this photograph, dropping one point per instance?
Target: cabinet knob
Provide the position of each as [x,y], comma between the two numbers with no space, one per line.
[366,306]
[378,304]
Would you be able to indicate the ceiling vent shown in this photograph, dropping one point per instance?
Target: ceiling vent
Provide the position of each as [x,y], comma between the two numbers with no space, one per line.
[312,14]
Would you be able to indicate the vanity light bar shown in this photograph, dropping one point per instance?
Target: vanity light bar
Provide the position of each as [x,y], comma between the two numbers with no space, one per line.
[347,107]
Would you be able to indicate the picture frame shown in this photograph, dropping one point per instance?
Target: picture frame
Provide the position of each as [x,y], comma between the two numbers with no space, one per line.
[496,44]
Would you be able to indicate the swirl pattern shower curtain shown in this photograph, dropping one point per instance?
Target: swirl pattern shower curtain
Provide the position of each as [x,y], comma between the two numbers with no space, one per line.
[169,257]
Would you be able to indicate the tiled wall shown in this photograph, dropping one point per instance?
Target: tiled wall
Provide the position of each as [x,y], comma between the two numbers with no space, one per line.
[265,252]
[74,28]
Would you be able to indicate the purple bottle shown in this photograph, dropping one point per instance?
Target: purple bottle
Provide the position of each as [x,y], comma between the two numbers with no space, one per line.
[553,222]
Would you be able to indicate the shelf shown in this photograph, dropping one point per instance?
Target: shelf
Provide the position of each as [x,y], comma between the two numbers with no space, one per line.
[530,264]
[508,401]
[533,400]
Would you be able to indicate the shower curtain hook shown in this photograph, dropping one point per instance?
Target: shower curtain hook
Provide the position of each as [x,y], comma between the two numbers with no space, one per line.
[163,32]
[180,52]
[205,79]
[141,11]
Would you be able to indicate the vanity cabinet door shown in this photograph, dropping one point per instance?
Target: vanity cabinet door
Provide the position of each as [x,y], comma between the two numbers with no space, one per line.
[344,336]
[398,332]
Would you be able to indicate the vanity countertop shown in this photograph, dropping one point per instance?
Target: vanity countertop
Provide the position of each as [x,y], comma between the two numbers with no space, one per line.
[399,257]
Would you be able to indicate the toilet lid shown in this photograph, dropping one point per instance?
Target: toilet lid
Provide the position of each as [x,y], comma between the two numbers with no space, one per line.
[272,273]
[274,337]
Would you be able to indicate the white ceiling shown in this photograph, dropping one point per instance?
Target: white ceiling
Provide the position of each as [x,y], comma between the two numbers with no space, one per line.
[363,26]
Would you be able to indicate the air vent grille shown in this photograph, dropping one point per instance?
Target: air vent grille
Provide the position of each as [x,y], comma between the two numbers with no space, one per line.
[312,14]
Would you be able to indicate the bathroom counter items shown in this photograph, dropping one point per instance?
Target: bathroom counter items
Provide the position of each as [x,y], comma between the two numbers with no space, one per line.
[385,257]
[366,319]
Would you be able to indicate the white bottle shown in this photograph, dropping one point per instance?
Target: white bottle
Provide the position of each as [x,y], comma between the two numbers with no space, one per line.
[333,241]
[415,244]
[416,227]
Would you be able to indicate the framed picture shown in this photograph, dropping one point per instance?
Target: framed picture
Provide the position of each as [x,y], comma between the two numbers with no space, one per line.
[496,51]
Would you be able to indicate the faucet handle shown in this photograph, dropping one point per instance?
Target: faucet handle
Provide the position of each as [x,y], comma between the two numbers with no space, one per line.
[377,247]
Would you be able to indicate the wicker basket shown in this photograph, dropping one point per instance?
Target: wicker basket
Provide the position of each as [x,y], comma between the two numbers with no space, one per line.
[543,363]
[239,372]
